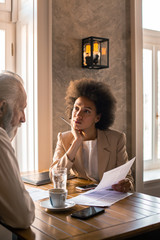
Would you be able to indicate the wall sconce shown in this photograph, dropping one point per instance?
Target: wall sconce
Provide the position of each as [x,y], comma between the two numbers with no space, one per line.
[95,53]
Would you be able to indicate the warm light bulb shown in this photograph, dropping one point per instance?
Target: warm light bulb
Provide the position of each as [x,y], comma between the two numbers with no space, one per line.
[88,49]
[104,51]
[95,47]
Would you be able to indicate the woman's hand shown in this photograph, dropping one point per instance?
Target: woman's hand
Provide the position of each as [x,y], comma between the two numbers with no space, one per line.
[78,134]
[122,186]
[78,140]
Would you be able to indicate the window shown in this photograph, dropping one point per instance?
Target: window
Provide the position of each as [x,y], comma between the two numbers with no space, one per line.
[151,17]
[147,106]
[2,49]
[33,52]
[5,5]
[151,88]
[7,37]
[26,140]
[151,106]
[7,46]
[33,64]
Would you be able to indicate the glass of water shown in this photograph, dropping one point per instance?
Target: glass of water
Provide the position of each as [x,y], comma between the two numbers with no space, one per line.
[59,177]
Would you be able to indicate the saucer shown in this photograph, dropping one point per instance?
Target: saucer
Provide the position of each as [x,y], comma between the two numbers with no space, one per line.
[46,204]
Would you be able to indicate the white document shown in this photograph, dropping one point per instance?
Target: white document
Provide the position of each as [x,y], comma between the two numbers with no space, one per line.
[37,194]
[101,198]
[115,175]
[103,195]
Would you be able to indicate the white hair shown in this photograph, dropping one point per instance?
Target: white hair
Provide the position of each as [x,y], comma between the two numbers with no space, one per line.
[11,85]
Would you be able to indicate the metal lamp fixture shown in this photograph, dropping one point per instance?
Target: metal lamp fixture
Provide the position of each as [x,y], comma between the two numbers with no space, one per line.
[95,53]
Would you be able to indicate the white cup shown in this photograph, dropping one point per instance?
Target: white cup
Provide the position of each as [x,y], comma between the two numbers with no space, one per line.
[57,197]
[59,177]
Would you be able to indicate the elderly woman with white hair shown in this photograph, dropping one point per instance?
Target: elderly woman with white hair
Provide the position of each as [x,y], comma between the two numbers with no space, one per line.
[16,207]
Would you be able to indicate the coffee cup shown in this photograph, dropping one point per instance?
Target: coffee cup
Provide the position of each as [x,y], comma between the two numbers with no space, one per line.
[57,197]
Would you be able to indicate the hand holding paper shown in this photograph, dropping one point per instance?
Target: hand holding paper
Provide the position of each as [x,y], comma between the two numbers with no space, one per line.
[101,195]
[122,186]
[114,176]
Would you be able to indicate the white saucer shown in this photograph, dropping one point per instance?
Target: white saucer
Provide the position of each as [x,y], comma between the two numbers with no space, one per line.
[46,204]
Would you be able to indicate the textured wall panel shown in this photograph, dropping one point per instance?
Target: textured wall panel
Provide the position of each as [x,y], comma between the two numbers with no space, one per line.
[77,19]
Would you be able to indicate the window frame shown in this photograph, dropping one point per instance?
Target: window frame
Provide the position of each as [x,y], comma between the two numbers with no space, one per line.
[6,6]
[10,45]
[7,24]
[151,41]
[42,41]
[42,77]
[137,91]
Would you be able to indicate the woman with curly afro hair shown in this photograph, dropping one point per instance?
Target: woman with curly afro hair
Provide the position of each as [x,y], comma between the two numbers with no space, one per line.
[91,147]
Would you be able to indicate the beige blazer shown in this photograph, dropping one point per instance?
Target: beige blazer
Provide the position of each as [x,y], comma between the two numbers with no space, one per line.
[111,153]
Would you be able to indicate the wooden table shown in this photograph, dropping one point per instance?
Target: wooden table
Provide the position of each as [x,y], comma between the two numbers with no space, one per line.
[131,217]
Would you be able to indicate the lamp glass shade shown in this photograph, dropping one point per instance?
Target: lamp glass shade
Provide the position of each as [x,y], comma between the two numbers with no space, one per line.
[95,53]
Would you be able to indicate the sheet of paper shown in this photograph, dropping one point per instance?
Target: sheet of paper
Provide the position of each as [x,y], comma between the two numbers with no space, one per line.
[103,195]
[37,194]
[101,198]
[115,175]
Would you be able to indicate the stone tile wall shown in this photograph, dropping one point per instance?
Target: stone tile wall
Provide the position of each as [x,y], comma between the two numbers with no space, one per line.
[77,19]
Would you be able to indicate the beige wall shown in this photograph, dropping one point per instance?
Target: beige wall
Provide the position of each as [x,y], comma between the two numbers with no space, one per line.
[77,19]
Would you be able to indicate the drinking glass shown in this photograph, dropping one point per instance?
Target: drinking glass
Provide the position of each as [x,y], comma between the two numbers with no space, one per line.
[59,177]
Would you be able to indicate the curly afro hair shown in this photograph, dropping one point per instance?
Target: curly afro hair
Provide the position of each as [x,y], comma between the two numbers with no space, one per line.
[97,92]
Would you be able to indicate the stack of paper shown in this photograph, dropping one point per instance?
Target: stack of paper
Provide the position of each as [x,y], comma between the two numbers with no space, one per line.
[37,194]
[103,195]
